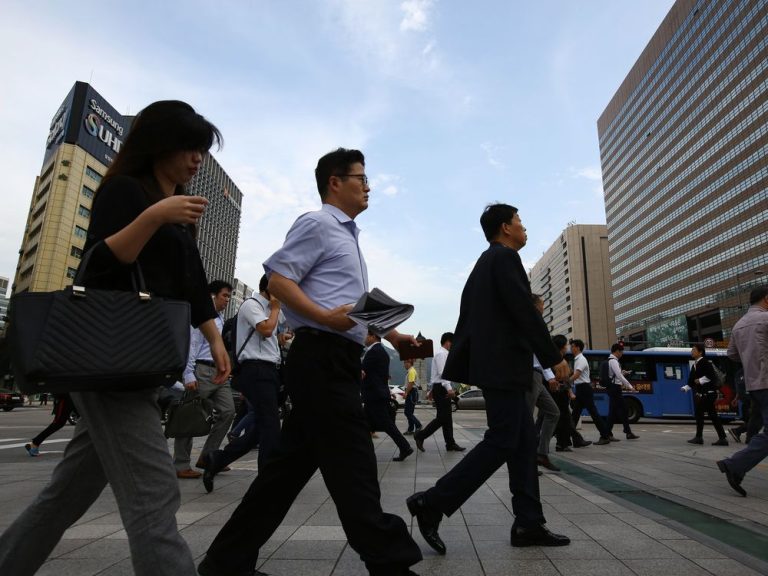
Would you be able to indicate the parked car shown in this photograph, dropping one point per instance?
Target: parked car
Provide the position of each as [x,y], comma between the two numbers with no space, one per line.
[398,394]
[10,399]
[470,400]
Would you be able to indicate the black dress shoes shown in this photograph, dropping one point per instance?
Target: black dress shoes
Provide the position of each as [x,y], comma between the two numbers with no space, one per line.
[209,471]
[403,455]
[544,460]
[733,479]
[428,520]
[559,448]
[536,536]
[582,444]
[455,448]
[419,439]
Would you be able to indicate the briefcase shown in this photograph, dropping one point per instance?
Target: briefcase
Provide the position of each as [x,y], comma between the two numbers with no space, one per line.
[191,416]
[90,339]
[410,352]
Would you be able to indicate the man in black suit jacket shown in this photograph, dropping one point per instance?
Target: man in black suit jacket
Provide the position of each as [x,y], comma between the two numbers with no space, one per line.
[376,395]
[498,332]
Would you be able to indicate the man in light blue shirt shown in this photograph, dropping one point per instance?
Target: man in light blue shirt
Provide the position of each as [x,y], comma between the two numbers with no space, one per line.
[318,275]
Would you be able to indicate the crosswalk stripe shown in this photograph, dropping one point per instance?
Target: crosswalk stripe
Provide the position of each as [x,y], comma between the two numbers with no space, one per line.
[9,446]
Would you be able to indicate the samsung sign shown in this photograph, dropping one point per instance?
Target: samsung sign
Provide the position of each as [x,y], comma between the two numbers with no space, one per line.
[100,124]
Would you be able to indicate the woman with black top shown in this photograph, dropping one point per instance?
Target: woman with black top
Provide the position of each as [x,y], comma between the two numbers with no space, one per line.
[140,213]
[702,381]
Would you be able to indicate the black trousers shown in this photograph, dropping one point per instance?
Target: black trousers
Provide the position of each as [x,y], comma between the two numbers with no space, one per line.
[585,398]
[326,429]
[260,383]
[380,419]
[511,439]
[63,407]
[444,417]
[564,430]
[705,403]
[617,412]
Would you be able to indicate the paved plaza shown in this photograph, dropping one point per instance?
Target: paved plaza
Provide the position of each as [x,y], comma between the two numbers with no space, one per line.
[654,506]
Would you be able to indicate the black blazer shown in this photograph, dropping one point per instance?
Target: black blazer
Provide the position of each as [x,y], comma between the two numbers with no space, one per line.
[702,368]
[499,329]
[375,385]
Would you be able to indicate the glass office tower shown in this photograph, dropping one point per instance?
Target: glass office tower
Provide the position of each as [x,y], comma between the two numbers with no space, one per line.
[684,153]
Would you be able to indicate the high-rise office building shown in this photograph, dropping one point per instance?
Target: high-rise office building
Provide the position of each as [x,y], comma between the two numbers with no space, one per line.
[684,153]
[240,292]
[86,133]
[3,302]
[573,279]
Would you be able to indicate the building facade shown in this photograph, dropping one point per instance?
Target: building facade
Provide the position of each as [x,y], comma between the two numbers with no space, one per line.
[85,135]
[684,154]
[240,292]
[4,300]
[573,279]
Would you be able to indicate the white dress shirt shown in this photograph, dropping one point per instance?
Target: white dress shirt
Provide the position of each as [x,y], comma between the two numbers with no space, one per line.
[580,363]
[199,349]
[438,364]
[616,375]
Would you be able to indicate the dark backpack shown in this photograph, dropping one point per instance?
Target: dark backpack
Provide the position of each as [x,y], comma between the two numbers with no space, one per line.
[605,375]
[229,335]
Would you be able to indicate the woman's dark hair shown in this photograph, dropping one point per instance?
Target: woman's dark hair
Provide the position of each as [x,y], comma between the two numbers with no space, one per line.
[336,163]
[161,129]
[559,341]
[700,348]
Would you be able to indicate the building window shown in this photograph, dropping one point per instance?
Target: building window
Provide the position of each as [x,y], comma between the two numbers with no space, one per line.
[84,212]
[80,232]
[71,272]
[76,252]
[88,192]
[91,173]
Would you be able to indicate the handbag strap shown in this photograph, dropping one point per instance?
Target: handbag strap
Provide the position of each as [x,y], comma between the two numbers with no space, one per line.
[137,276]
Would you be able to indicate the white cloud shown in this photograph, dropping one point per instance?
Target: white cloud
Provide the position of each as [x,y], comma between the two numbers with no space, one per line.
[386,184]
[492,154]
[588,172]
[416,15]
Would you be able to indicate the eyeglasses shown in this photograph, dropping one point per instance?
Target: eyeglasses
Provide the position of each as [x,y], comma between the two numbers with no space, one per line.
[362,177]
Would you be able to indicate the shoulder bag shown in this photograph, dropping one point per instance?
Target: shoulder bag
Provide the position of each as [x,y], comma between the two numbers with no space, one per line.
[81,338]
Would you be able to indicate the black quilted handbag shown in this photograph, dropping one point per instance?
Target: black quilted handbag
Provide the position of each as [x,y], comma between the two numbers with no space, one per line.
[89,339]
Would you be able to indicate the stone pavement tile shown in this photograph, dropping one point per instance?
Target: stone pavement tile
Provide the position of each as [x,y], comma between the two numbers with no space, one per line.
[462,549]
[199,537]
[309,550]
[319,533]
[452,532]
[633,548]
[532,567]
[498,533]
[220,516]
[635,519]
[499,517]
[122,568]
[75,567]
[726,567]
[602,567]
[583,520]
[582,550]
[281,567]
[692,549]
[448,566]
[571,505]
[91,531]
[660,532]
[668,566]
[502,550]
[307,514]
[598,532]
[66,546]
[103,548]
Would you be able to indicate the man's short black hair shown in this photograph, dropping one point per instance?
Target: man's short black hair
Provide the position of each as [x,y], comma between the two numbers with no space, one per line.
[617,348]
[371,333]
[447,337]
[493,217]
[758,294]
[336,163]
[218,285]
[579,343]
[263,283]
[559,341]
[701,348]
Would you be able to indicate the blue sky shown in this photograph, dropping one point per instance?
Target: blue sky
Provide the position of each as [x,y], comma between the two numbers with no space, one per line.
[455,105]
